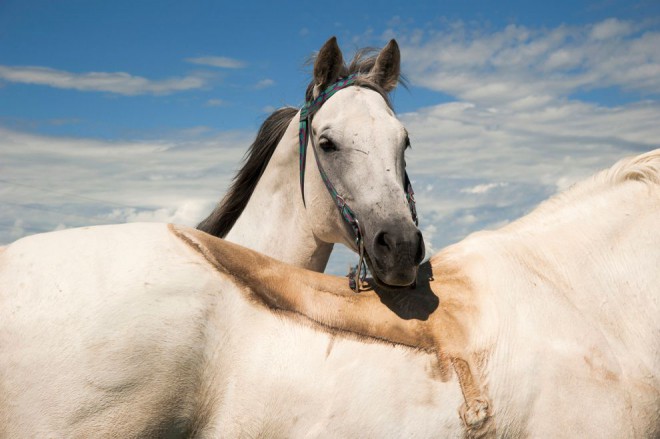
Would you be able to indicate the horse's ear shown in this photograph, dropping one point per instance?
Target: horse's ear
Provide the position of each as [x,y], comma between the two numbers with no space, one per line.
[329,64]
[387,68]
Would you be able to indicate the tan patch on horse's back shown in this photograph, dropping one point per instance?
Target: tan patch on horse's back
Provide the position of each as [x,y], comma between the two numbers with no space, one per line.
[327,300]
[458,308]
[269,282]
[246,267]
[307,296]
[252,268]
[456,281]
[597,365]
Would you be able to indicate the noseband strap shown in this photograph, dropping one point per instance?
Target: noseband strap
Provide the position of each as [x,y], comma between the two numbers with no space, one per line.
[306,113]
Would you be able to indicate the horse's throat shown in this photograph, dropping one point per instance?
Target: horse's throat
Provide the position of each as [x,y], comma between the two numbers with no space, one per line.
[273,224]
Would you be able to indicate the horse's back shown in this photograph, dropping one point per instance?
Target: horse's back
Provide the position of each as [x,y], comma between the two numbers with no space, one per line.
[579,284]
[102,332]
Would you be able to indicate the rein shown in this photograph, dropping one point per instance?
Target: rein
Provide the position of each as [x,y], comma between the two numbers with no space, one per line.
[358,273]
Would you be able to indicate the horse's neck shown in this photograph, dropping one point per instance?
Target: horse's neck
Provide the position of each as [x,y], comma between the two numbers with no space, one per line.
[274,221]
[581,270]
[590,248]
[574,283]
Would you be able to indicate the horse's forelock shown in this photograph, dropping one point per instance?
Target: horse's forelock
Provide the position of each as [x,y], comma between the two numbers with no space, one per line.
[361,65]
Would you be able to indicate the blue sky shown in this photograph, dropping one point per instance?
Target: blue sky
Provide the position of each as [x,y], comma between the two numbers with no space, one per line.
[508,102]
[154,40]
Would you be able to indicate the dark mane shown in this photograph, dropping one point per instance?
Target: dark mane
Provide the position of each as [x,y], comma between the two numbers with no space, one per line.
[223,217]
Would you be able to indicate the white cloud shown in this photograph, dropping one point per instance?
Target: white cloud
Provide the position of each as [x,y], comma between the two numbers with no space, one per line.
[218,61]
[610,28]
[46,181]
[482,188]
[429,233]
[60,226]
[470,141]
[517,63]
[188,212]
[16,230]
[215,103]
[114,82]
[264,83]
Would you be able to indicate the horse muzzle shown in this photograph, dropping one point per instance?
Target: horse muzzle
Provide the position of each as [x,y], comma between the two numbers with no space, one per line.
[394,253]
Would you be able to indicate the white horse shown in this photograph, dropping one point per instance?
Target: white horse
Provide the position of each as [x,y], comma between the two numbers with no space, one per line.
[545,328]
[358,135]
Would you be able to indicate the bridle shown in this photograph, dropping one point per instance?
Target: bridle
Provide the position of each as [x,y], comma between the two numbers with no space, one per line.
[306,113]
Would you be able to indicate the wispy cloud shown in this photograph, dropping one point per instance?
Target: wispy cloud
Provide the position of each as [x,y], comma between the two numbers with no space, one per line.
[113,82]
[215,102]
[482,188]
[47,182]
[529,67]
[264,83]
[218,61]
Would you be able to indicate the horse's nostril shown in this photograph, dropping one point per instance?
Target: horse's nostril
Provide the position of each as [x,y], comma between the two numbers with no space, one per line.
[382,240]
[397,248]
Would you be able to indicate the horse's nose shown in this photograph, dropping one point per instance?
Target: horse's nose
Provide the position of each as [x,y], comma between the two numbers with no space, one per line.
[393,243]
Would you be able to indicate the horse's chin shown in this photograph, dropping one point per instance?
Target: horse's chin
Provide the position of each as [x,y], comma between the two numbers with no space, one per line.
[390,284]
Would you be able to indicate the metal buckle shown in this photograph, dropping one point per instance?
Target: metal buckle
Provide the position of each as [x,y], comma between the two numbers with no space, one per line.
[357,274]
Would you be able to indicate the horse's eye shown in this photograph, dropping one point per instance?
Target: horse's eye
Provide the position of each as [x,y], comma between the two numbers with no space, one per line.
[326,145]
